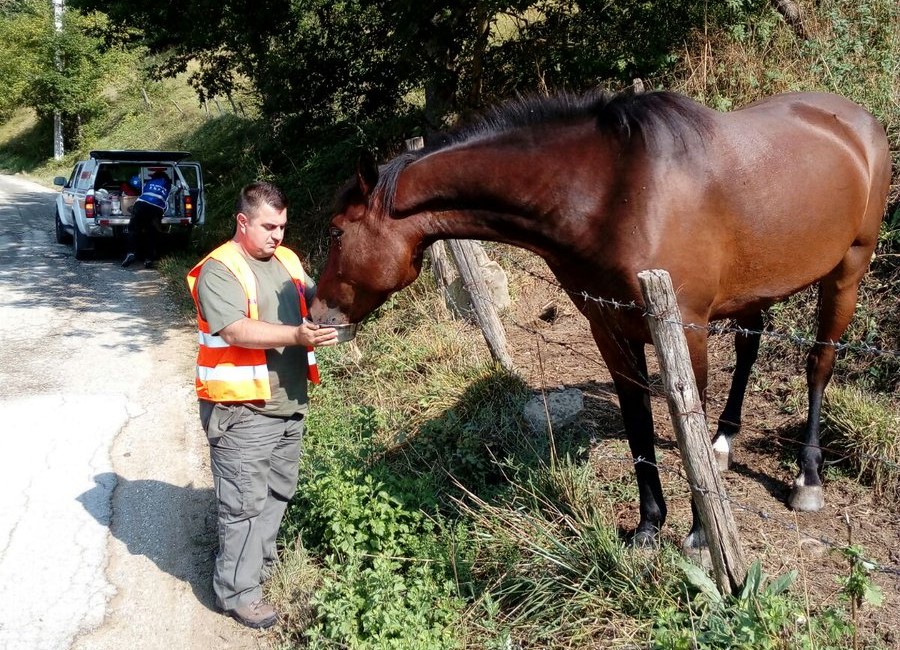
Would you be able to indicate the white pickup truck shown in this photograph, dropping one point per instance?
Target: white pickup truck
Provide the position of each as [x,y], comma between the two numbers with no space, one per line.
[95,204]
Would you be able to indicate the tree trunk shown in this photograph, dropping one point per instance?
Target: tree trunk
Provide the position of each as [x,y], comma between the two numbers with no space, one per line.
[790,10]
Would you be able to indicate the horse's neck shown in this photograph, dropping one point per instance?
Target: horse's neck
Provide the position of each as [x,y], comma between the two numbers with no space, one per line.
[499,191]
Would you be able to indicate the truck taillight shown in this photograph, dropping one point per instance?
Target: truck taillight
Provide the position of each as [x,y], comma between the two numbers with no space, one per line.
[188,206]
[89,206]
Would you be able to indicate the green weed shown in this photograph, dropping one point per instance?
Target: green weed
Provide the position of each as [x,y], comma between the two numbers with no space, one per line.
[763,616]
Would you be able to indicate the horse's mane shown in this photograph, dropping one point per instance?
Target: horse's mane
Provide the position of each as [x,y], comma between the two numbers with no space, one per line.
[652,115]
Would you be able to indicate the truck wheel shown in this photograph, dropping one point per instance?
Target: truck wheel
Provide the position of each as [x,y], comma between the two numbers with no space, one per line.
[62,235]
[82,244]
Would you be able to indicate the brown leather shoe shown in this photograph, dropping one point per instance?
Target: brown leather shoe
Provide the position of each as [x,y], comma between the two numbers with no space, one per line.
[258,614]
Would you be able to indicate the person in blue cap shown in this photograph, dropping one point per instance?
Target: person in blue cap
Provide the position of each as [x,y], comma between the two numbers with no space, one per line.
[132,187]
[143,229]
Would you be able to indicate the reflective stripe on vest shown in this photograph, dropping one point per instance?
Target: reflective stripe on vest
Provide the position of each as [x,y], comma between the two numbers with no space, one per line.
[211,340]
[227,373]
[233,373]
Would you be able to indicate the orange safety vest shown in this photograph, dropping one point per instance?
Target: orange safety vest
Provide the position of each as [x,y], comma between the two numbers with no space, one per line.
[229,373]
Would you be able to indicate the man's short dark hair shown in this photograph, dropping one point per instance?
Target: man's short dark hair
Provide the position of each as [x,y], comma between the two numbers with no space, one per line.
[256,194]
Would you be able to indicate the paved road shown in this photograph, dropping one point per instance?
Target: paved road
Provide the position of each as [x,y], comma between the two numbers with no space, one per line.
[105,521]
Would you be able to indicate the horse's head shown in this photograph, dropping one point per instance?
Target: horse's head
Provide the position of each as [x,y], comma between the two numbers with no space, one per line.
[371,254]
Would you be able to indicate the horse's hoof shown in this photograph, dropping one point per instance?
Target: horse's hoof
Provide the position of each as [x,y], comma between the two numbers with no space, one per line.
[722,451]
[807,498]
[645,539]
[696,549]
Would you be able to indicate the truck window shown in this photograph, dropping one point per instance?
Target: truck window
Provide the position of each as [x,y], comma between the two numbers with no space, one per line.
[74,175]
[189,172]
[115,175]
[105,178]
[84,178]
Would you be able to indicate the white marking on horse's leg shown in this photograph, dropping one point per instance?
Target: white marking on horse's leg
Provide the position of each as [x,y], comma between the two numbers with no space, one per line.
[806,498]
[722,449]
[696,548]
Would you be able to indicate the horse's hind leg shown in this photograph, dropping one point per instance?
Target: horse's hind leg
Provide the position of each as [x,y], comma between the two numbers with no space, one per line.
[837,302]
[746,346]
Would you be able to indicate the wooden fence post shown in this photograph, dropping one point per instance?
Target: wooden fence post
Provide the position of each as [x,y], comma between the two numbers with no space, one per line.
[463,252]
[691,430]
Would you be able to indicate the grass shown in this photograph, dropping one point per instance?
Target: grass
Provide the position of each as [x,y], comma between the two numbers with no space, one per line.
[292,585]
[440,484]
[863,427]
[26,142]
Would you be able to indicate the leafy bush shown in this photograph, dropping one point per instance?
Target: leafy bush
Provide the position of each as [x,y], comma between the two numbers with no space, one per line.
[385,582]
[763,616]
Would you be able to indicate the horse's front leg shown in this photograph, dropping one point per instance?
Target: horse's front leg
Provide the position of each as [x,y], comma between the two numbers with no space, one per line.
[627,363]
[746,348]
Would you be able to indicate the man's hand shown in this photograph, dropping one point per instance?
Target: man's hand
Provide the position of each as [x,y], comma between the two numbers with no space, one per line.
[260,335]
[309,333]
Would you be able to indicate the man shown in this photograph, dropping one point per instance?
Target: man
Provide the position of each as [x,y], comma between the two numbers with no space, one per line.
[254,360]
[148,211]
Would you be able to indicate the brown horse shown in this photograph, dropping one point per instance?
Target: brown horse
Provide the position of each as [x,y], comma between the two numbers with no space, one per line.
[742,209]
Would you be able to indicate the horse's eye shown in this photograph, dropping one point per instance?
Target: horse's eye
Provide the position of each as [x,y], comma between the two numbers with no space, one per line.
[335,233]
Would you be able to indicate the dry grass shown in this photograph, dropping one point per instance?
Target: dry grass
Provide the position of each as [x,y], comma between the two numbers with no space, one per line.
[864,426]
[290,589]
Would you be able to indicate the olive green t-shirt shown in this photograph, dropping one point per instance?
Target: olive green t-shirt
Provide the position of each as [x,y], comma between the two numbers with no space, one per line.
[223,302]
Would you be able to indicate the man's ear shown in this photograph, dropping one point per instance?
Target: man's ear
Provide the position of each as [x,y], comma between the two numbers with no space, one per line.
[366,173]
[241,220]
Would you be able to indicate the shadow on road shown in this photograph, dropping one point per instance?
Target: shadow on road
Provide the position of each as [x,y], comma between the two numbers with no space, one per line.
[171,525]
[35,272]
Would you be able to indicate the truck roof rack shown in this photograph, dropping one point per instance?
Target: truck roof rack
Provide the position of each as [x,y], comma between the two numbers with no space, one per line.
[139,155]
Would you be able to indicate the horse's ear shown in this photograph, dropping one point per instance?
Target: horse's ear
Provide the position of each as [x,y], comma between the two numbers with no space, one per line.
[366,173]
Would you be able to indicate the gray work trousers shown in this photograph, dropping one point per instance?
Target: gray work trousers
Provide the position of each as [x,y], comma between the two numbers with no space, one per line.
[255,464]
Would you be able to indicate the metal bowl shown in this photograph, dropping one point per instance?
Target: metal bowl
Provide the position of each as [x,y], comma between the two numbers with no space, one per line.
[346,332]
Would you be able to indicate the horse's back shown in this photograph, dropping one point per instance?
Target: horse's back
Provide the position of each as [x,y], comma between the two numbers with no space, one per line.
[783,189]
[836,118]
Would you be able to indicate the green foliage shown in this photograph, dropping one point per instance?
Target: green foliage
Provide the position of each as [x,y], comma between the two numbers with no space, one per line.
[763,616]
[576,45]
[24,27]
[857,587]
[349,513]
[859,57]
[386,579]
[383,605]
[322,63]
[75,72]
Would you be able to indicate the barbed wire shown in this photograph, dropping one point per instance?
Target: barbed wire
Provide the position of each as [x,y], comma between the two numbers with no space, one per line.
[887,462]
[718,327]
[760,513]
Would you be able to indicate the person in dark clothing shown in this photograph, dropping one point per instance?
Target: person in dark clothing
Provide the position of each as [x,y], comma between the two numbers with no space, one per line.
[143,229]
